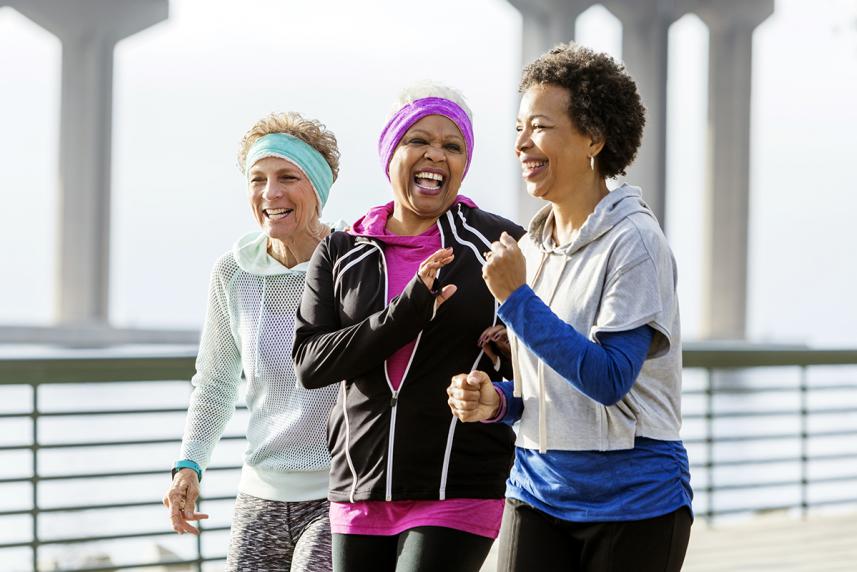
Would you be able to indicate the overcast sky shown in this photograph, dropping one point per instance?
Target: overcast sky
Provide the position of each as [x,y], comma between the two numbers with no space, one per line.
[187,89]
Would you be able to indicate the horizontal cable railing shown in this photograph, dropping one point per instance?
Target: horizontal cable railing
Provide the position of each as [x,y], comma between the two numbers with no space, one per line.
[729,418]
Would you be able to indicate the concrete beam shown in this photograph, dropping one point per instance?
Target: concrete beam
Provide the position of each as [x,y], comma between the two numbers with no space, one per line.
[88,30]
[727,194]
[645,52]
[545,23]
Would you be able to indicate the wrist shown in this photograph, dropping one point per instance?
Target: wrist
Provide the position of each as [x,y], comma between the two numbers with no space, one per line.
[496,413]
[187,464]
[499,410]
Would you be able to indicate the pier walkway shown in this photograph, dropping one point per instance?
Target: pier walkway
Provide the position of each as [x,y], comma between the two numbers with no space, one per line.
[824,543]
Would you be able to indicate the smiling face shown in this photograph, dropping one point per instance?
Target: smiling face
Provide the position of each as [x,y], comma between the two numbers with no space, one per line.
[281,197]
[427,167]
[554,155]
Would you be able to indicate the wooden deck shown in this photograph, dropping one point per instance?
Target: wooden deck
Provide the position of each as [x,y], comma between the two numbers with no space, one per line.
[776,542]
[768,543]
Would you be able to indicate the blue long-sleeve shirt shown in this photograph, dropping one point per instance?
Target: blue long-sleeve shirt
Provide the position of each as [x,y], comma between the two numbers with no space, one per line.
[649,480]
[604,372]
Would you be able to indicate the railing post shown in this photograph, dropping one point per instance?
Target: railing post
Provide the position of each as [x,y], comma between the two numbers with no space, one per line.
[35,480]
[709,444]
[804,443]
[199,537]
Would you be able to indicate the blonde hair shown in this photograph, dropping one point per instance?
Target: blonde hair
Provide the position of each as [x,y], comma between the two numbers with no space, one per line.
[310,131]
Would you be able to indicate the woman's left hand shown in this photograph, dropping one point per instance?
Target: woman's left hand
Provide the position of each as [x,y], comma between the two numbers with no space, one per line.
[428,272]
[506,270]
[494,341]
[181,500]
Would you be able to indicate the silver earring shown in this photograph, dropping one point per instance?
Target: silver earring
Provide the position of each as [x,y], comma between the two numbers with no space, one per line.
[592,162]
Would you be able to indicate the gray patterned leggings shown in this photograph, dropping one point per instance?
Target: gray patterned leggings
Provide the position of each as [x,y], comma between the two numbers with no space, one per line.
[273,536]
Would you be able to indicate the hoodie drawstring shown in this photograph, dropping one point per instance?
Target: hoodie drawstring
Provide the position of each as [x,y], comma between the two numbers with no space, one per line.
[513,341]
[259,326]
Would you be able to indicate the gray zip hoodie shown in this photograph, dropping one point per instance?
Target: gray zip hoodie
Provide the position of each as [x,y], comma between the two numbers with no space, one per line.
[616,274]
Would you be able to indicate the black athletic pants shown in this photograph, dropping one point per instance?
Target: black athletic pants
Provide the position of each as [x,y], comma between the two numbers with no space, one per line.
[532,540]
[421,549]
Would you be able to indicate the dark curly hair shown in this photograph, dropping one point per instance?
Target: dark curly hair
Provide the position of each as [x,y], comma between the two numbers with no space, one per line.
[603,100]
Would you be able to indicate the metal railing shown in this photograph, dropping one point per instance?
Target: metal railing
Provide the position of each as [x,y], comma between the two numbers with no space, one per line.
[40,372]
[728,375]
[721,387]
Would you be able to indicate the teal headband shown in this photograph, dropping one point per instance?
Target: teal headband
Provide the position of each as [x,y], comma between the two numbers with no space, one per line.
[300,154]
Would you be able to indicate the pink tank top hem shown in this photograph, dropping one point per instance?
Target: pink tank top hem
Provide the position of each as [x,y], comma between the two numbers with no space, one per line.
[379,518]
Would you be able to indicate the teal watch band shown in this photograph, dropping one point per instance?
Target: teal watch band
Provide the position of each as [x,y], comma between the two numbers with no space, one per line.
[187,464]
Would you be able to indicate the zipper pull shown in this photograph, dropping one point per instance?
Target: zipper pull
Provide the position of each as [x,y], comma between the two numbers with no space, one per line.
[393,400]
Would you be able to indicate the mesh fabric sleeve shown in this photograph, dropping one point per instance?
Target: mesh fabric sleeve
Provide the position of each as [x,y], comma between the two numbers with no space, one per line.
[218,372]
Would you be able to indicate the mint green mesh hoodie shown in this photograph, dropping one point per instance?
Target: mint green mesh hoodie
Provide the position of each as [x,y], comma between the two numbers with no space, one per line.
[249,328]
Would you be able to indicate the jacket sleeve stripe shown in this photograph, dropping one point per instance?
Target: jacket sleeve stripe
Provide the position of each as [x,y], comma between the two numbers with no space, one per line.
[349,265]
[473,230]
[351,252]
[463,242]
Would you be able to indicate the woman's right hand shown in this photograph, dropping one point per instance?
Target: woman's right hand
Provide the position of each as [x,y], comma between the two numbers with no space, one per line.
[181,500]
[472,397]
[428,272]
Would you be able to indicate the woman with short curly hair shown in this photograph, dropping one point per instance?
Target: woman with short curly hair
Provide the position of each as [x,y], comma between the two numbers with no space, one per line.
[280,520]
[601,479]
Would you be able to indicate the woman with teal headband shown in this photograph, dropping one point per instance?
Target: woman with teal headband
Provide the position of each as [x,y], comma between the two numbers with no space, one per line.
[281,515]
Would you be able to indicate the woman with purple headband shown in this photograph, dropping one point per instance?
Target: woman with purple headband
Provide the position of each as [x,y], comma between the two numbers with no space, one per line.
[391,311]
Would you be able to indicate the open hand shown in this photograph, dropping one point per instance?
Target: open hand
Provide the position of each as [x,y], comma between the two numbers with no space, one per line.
[428,273]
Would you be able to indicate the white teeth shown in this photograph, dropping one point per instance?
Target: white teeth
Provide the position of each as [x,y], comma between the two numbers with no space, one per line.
[277,213]
[427,175]
[534,164]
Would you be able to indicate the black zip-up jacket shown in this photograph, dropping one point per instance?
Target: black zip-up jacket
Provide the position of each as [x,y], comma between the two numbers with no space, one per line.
[404,444]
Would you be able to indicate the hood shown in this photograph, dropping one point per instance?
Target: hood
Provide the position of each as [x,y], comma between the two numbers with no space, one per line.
[374,223]
[618,205]
[251,254]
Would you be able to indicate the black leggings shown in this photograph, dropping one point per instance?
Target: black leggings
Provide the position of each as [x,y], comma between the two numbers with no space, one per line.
[420,549]
[533,540]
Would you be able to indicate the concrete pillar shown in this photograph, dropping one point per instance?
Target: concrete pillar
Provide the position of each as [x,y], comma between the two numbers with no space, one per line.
[645,34]
[545,23]
[727,194]
[88,30]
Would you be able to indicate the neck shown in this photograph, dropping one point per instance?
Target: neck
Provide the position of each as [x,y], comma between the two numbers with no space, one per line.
[404,222]
[576,203]
[296,249]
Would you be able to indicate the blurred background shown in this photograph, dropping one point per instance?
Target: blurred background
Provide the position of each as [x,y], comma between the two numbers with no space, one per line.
[119,128]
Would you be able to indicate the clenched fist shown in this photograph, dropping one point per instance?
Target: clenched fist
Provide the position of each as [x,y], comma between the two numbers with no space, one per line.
[472,397]
[506,270]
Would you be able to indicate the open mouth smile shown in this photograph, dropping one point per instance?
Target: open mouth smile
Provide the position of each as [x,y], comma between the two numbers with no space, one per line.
[531,167]
[429,182]
[277,214]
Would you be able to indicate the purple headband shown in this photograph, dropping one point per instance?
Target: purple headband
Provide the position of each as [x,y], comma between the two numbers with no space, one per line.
[413,112]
